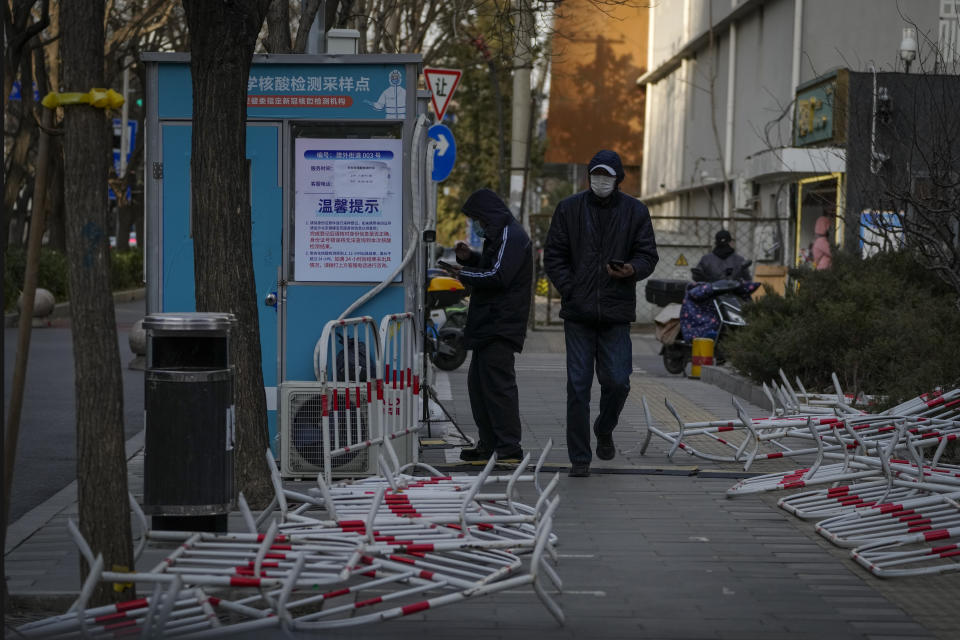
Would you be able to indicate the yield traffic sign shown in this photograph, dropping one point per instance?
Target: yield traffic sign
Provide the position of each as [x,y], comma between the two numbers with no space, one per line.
[442,83]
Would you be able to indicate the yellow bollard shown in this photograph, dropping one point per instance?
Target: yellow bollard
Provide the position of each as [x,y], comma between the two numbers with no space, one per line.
[701,354]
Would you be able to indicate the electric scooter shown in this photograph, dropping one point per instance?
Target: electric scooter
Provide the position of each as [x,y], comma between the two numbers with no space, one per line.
[723,300]
[446,320]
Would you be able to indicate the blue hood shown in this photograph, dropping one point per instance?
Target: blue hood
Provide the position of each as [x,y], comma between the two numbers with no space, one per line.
[609,158]
[487,207]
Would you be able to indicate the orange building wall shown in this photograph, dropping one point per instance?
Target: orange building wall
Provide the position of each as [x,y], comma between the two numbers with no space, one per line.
[594,100]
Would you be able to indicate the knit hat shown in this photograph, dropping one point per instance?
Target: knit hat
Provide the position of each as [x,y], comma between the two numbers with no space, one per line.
[723,237]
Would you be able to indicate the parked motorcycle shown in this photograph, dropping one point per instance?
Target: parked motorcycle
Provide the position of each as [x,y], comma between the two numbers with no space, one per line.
[446,320]
[693,309]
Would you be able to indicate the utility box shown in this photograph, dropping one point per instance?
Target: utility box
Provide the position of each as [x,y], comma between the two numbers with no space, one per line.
[188,481]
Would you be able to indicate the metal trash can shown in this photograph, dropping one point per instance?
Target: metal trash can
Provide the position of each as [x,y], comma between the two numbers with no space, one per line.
[188,479]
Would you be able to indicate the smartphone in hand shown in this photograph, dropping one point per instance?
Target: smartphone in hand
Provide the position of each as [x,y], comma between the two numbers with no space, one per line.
[615,264]
[448,266]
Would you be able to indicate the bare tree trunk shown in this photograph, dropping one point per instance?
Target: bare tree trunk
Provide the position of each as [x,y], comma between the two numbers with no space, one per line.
[307,18]
[220,200]
[14,179]
[26,317]
[56,219]
[362,19]
[101,466]
[278,27]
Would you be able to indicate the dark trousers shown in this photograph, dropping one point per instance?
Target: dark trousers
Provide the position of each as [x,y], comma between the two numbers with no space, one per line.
[492,384]
[608,349]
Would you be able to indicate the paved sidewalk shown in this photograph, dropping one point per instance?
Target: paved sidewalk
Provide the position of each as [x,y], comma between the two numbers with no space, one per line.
[649,547]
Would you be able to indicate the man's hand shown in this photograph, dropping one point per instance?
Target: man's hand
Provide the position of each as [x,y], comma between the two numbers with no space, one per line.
[449,267]
[623,271]
[462,251]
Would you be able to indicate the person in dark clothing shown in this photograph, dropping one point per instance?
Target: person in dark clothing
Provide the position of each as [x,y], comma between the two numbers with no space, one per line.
[599,245]
[723,263]
[500,278]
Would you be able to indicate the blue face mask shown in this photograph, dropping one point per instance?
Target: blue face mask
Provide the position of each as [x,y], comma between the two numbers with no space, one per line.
[479,230]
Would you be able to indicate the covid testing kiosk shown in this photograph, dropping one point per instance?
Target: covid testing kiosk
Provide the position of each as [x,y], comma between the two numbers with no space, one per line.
[336,198]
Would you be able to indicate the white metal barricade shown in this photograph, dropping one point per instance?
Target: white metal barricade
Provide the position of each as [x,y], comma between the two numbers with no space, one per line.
[923,553]
[363,405]
[348,357]
[887,493]
[398,367]
[353,553]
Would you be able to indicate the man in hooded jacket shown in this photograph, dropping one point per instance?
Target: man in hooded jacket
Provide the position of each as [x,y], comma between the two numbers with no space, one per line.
[599,245]
[500,278]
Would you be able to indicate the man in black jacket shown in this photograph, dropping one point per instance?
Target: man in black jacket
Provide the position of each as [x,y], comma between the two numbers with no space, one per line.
[599,245]
[500,278]
[723,263]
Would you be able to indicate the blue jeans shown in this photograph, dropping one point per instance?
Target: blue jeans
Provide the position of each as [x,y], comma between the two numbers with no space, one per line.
[608,347]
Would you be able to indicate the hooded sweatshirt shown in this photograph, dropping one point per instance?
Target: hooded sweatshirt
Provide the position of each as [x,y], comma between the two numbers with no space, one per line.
[500,276]
[822,256]
[586,232]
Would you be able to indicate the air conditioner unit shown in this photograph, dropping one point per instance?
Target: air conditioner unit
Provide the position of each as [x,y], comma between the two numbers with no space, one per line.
[301,432]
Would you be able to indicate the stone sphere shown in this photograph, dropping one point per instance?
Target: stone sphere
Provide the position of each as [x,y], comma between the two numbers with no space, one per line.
[43,303]
[137,337]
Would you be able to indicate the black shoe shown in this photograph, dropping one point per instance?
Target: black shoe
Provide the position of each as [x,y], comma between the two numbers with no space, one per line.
[605,447]
[579,470]
[514,457]
[477,454]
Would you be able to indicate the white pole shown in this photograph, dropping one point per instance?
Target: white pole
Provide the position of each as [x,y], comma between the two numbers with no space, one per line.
[731,105]
[520,123]
[797,49]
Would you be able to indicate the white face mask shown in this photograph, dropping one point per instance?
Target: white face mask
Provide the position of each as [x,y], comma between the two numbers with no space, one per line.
[602,185]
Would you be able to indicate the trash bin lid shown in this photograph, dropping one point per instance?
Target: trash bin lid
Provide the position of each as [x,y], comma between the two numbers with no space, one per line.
[189,321]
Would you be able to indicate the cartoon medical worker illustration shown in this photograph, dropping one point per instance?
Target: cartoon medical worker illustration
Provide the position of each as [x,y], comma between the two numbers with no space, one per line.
[393,98]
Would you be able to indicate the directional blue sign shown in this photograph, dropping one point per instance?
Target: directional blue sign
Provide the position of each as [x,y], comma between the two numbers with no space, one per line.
[446,153]
[117,129]
[15,91]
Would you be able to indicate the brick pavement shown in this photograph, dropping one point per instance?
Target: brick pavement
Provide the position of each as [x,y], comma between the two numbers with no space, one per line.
[649,548]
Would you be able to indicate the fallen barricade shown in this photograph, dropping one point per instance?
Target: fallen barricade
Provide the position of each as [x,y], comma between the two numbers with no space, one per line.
[337,555]
[799,424]
[878,484]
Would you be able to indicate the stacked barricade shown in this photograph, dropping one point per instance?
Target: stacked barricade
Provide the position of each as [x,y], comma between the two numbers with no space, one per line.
[348,554]
[368,384]
[399,370]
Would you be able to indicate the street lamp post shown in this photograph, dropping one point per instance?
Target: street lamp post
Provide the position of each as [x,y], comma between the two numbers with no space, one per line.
[908,47]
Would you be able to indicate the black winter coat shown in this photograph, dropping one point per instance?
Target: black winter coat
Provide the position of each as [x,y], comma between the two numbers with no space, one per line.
[585,234]
[712,267]
[500,277]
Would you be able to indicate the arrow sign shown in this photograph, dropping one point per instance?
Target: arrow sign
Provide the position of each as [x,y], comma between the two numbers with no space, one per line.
[446,153]
[442,83]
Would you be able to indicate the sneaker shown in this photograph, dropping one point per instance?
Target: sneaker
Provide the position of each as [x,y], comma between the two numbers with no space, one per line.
[605,447]
[579,470]
[477,454]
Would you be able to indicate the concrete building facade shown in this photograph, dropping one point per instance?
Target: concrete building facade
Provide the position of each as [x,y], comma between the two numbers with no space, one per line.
[722,146]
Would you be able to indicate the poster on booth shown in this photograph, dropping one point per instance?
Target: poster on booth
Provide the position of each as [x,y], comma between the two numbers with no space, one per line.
[348,209]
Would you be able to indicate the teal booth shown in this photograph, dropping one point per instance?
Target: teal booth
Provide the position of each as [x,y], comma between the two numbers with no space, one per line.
[330,141]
